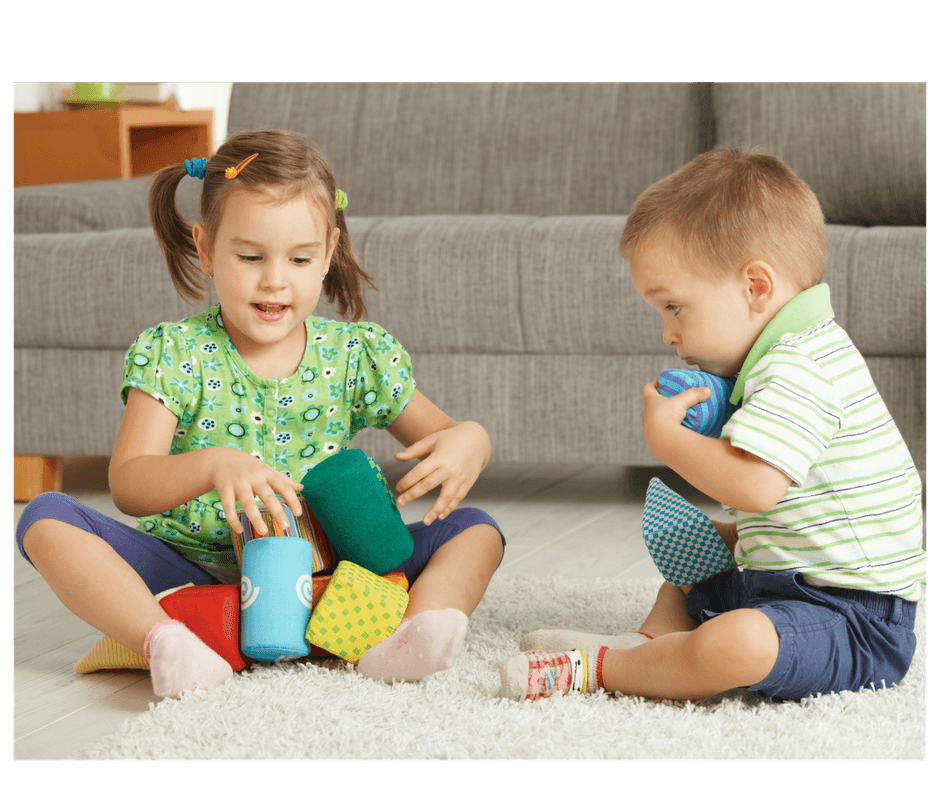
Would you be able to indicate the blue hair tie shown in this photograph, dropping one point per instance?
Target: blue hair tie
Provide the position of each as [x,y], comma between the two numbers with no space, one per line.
[196,167]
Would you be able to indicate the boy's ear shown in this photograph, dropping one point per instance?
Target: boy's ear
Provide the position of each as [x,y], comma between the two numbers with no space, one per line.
[760,284]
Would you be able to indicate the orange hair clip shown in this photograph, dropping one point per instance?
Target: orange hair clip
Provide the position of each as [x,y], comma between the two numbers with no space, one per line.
[231,172]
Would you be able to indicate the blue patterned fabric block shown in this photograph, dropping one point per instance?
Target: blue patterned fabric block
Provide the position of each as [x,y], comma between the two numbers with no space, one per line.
[706,417]
[681,540]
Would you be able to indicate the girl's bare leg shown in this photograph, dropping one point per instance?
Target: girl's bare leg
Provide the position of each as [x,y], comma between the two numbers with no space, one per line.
[93,581]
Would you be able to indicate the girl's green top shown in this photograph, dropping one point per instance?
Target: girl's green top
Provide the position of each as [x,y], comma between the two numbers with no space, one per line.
[353,375]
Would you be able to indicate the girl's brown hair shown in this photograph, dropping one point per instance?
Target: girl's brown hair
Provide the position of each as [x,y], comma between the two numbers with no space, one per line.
[287,165]
[729,206]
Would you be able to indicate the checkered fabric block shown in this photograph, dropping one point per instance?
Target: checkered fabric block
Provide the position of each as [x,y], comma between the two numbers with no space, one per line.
[706,417]
[358,610]
[381,477]
[681,540]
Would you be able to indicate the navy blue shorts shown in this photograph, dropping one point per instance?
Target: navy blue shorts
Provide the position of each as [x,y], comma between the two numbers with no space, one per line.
[162,566]
[830,639]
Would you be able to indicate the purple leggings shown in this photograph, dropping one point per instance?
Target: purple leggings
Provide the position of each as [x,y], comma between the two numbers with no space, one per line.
[161,566]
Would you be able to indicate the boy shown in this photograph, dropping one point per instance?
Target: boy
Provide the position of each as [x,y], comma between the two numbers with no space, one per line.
[730,251]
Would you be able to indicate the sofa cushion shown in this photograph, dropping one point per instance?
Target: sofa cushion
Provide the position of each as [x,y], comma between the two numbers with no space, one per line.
[861,146]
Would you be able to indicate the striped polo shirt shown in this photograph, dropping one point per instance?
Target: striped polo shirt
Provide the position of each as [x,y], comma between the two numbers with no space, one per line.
[852,516]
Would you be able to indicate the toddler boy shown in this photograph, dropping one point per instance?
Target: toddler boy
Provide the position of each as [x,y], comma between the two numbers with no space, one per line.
[730,251]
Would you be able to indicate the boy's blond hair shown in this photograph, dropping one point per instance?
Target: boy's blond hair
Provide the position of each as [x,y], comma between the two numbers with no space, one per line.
[729,206]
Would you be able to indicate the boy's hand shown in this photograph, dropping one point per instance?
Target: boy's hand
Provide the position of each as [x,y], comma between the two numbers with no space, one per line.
[453,459]
[662,415]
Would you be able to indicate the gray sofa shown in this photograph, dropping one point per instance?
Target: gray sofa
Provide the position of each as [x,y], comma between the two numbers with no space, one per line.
[489,215]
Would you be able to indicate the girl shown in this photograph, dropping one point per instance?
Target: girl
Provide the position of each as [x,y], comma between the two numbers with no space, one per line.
[237,403]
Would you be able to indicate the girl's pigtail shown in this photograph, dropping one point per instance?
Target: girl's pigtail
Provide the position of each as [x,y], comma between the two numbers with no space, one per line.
[345,279]
[174,234]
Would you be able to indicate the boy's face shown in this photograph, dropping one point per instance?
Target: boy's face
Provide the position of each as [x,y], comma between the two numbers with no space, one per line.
[711,324]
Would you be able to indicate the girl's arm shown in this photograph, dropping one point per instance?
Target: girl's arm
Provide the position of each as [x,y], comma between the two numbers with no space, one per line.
[713,466]
[145,479]
[454,455]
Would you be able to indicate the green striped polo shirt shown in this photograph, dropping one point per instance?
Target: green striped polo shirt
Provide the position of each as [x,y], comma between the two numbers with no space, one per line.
[852,517]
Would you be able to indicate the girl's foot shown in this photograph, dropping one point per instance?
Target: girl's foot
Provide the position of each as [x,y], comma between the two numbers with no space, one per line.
[180,662]
[568,639]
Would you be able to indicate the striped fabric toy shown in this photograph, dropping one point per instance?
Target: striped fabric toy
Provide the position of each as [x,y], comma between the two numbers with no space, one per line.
[706,417]
[305,526]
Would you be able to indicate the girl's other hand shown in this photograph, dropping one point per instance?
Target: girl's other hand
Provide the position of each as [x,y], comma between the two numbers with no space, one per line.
[453,459]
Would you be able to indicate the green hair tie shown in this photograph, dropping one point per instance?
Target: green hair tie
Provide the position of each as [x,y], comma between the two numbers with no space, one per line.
[341,200]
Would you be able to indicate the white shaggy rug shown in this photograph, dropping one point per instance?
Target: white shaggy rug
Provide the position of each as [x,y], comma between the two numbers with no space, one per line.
[324,710]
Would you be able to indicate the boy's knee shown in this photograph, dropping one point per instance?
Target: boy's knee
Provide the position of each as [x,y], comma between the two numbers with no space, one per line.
[746,638]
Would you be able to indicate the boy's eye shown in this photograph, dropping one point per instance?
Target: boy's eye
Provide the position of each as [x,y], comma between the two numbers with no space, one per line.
[674,307]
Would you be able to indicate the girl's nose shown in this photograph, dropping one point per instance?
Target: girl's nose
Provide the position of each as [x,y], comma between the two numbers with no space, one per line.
[274,275]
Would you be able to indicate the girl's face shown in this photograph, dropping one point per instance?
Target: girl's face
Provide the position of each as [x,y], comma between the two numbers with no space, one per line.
[268,262]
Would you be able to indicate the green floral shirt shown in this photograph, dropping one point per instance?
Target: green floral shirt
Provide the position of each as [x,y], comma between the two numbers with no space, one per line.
[353,375]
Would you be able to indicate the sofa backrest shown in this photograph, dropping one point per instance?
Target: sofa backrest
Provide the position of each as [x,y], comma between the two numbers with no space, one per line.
[558,149]
[861,146]
[543,149]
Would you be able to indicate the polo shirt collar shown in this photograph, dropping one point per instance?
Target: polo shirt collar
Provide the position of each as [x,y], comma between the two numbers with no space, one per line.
[808,309]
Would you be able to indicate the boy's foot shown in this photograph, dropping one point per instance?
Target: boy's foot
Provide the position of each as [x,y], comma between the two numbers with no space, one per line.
[538,674]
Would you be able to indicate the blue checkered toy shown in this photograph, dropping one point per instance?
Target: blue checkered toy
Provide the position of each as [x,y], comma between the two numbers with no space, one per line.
[682,541]
[706,417]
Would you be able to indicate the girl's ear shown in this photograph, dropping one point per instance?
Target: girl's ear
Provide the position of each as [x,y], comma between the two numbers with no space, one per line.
[331,247]
[201,239]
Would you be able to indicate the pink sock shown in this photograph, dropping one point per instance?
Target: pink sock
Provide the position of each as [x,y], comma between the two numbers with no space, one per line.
[180,662]
[420,646]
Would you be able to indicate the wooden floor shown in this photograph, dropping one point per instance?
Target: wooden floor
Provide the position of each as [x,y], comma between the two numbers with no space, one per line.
[575,521]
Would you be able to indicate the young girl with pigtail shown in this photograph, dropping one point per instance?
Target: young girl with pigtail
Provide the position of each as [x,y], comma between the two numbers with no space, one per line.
[234,406]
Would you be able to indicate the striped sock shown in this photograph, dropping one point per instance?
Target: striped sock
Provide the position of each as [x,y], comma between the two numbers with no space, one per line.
[538,674]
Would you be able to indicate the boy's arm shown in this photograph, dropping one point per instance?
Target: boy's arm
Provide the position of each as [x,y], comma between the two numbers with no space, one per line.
[713,466]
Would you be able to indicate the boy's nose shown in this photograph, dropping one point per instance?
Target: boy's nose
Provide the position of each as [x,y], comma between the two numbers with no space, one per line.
[670,337]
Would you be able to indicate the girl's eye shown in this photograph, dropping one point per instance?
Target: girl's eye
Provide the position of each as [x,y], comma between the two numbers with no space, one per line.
[254,258]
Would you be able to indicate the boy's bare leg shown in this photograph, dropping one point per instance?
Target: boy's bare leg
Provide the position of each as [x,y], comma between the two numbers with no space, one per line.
[669,612]
[735,649]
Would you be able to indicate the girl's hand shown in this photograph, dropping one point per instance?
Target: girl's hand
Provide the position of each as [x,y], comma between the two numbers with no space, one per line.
[240,476]
[453,459]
